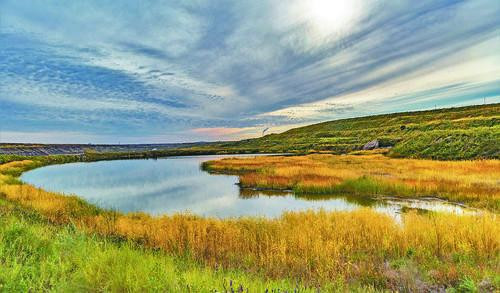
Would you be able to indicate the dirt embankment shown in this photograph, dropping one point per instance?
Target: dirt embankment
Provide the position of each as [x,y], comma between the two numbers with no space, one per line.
[75,149]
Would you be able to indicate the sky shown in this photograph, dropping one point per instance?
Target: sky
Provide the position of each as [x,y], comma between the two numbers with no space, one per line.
[184,71]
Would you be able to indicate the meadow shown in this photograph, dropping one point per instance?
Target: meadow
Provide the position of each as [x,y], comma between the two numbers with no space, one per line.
[37,256]
[474,183]
[461,133]
[360,250]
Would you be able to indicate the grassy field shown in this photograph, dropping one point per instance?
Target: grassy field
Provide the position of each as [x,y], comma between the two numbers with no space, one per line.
[446,134]
[474,183]
[38,256]
[329,250]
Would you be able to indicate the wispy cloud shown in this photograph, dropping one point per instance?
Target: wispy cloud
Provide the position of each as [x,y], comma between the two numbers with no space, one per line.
[221,70]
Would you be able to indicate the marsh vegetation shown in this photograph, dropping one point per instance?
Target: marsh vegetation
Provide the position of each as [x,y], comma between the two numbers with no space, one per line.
[176,184]
[37,256]
[474,183]
[358,249]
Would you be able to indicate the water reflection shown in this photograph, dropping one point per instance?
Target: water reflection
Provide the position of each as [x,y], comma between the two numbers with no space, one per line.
[365,201]
[392,206]
[171,185]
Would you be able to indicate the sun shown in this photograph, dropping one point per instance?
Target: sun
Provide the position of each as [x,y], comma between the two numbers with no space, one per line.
[330,16]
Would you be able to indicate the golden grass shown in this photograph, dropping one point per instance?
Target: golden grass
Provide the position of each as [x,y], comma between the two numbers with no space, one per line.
[313,247]
[14,166]
[475,183]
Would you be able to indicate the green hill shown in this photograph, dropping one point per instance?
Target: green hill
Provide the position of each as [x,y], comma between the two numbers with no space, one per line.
[463,133]
[454,133]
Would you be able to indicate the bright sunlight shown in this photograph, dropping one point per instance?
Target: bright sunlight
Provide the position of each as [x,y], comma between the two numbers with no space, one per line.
[331,16]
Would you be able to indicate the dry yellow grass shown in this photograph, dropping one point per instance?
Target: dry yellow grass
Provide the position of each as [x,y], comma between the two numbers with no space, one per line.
[14,166]
[476,183]
[313,247]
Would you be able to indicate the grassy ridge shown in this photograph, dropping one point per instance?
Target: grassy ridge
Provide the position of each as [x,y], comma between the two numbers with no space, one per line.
[448,134]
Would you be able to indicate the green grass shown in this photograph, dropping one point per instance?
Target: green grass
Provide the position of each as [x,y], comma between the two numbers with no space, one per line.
[447,134]
[37,256]
[461,133]
[480,142]
[363,186]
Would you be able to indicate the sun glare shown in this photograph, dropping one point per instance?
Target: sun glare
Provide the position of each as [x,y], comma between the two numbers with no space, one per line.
[330,16]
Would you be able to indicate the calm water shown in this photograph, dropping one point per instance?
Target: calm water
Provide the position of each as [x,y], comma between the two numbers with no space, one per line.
[177,184]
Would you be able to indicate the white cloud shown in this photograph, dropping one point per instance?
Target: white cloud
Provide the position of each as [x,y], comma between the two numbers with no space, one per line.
[49,137]
[203,64]
[480,67]
[37,94]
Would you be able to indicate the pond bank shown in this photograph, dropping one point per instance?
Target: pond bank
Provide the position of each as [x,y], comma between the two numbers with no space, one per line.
[360,247]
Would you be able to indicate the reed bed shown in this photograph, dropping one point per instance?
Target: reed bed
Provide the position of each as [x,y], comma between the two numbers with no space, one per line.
[314,248]
[39,257]
[474,183]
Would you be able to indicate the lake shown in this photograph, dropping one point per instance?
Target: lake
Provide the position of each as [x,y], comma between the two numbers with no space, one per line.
[177,184]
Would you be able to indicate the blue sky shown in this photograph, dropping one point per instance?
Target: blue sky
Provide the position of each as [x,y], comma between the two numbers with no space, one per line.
[172,71]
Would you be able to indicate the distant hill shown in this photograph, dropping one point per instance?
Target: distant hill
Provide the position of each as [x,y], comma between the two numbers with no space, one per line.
[447,134]
[455,133]
[27,149]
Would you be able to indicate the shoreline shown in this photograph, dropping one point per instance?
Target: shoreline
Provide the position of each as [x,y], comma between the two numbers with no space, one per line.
[227,242]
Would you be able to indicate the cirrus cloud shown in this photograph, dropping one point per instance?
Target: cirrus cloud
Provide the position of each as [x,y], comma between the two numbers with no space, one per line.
[170,71]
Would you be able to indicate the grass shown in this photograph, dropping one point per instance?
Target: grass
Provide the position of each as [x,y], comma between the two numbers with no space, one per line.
[37,256]
[461,133]
[474,183]
[360,249]
[446,134]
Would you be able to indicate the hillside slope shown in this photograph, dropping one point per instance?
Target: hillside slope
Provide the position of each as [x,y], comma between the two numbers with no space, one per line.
[456,133]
